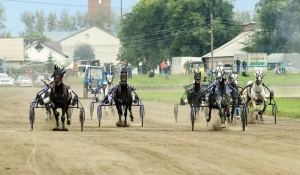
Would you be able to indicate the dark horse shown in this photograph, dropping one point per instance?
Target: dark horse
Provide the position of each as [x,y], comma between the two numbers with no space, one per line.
[123,98]
[60,97]
[194,90]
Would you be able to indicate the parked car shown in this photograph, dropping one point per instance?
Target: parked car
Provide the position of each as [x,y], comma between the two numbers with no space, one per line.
[24,81]
[5,80]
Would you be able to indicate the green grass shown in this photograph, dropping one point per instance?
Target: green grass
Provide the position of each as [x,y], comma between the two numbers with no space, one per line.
[179,80]
[287,107]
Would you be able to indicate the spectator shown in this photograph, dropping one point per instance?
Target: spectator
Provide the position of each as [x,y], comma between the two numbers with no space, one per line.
[238,63]
[162,66]
[196,69]
[283,66]
[129,69]
[140,67]
[168,63]
[75,70]
[87,66]
[144,66]
[187,66]
[244,64]
[12,76]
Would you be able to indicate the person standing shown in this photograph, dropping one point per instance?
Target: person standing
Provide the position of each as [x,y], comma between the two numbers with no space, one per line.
[283,66]
[168,63]
[162,67]
[129,69]
[238,63]
[145,66]
[75,70]
[244,64]
[187,66]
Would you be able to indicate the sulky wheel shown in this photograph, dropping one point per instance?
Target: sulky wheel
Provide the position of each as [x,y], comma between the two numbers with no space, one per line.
[82,117]
[91,109]
[99,114]
[31,117]
[192,115]
[142,114]
[274,112]
[176,112]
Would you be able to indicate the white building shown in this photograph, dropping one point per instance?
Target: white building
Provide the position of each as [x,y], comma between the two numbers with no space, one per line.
[106,46]
[40,51]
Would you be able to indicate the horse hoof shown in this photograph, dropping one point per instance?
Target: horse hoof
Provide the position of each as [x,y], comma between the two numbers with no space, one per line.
[56,129]
[207,119]
[119,124]
[238,117]
[64,129]
[68,122]
[132,119]
[223,125]
[261,119]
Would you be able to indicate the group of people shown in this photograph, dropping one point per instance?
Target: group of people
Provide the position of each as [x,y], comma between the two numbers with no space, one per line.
[280,68]
[190,68]
[238,66]
[142,66]
[165,67]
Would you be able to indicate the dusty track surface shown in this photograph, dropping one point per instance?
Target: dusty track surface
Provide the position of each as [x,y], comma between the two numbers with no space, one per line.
[160,147]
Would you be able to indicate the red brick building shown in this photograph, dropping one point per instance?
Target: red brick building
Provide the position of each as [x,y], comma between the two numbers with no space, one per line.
[94,5]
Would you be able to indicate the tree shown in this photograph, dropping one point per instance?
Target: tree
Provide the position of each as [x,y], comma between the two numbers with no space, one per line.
[65,22]
[166,28]
[84,52]
[2,16]
[40,21]
[51,22]
[81,19]
[50,62]
[107,22]
[279,27]
[29,19]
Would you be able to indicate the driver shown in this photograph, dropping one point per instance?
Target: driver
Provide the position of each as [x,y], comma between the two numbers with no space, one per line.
[109,96]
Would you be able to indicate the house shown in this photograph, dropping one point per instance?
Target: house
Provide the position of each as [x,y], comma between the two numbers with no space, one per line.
[12,49]
[292,61]
[39,51]
[106,46]
[230,51]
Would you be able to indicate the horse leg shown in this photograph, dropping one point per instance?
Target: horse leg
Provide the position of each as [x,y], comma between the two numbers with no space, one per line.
[69,114]
[130,114]
[209,114]
[125,115]
[56,114]
[63,119]
[262,110]
[221,114]
[119,108]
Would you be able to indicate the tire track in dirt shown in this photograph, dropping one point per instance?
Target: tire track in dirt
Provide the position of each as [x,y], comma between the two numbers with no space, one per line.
[31,159]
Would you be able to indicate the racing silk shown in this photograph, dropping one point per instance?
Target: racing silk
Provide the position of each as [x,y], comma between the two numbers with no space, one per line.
[215,85]
[115,87]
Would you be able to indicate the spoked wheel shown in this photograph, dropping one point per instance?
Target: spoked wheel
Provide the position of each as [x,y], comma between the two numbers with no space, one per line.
[91,109]
[99,115]
[31,116]
[142,114]
[176,112]
[244,117]
[192,115]
[274,112]
[82,118]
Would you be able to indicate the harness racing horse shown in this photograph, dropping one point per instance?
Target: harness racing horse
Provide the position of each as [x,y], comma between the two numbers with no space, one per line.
[256,94]
[123,99]
[109,79]
[194,90]
[60,97]
[233,80]
[219,97]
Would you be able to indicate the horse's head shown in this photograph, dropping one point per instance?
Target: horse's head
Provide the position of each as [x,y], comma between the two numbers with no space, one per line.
[220,73]
[197,77]
[58,75]
[233,79]
[123,76]
[258,75]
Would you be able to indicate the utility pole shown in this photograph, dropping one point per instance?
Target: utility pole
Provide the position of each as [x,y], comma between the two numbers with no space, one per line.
[121,10]
[211,43]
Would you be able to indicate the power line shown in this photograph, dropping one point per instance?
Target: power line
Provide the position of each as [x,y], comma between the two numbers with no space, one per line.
[56,4]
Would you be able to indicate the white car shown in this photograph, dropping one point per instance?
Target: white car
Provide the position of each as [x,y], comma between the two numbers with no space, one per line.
[5,80]
[24,81]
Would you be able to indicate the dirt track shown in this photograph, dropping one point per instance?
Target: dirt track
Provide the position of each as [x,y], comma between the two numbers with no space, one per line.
[160,147]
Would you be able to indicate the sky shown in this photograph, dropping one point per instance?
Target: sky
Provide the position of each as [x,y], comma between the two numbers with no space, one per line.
[14,9]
